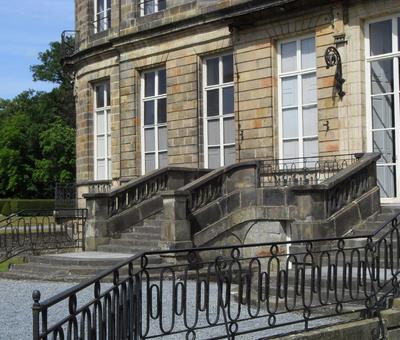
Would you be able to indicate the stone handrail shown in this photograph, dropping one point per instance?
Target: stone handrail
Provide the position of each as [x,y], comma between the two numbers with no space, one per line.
[348,184]
[145,187]
[219,182]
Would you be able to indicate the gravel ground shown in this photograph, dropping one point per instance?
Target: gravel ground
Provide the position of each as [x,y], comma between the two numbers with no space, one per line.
[16,314]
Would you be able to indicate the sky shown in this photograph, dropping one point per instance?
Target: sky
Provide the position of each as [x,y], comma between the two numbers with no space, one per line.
[26,28]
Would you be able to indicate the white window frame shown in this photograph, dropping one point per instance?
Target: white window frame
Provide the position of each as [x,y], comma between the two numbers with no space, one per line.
[155,125]
[221,116]
[298,73]
[105,18]
[394,55]
[156,10]
[106,110]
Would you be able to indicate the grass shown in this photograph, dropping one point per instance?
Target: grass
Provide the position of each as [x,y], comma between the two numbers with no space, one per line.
[15,260]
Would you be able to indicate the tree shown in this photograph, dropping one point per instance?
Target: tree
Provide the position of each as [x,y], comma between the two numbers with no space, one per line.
[37,133]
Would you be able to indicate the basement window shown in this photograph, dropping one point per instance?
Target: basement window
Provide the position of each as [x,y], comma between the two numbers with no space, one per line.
[152,6]
[102,12]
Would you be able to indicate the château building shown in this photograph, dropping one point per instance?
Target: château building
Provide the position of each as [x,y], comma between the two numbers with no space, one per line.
[207,83]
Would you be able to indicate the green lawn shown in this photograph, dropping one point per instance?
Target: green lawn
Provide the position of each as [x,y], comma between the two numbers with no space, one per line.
[14,260]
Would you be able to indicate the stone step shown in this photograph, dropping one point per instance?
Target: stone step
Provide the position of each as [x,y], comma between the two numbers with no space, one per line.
[110,248]
[140,236]
[146,229]
[132,242]
[78,261]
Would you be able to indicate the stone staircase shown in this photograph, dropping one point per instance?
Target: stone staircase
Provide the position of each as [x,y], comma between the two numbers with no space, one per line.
[372,223]
[141,237]
[79,266]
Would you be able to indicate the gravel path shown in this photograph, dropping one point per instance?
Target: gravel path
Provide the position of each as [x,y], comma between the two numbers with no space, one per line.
[16,315]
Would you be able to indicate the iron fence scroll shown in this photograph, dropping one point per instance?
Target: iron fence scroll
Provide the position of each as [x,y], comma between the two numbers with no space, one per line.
[41,230]
[230,291]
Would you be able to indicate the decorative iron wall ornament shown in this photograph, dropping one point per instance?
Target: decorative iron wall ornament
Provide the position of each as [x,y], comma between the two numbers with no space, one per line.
[332,58]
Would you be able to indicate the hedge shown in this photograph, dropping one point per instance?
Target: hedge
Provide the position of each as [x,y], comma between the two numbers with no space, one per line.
[9,206]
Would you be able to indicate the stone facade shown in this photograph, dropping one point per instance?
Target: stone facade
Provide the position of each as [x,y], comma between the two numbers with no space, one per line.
[180,37]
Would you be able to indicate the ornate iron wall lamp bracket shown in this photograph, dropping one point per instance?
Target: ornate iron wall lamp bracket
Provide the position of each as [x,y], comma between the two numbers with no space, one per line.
[332,58]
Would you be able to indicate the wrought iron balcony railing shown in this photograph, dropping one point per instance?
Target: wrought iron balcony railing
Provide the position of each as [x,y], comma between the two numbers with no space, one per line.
[230,291]
[69,43]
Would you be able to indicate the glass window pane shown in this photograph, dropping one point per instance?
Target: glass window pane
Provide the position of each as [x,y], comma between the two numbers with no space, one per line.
[149,6]
[380,37]
[162,138]
[213,132]
[162,159]
[108,121]
[212,71]
[162,82]
[386,180]
[309,88]
[310,121]
[101,147]
[149,140]
[383,141]
[214,157]
[310,147]
[108,4]
[162,110]
[228,100]
[290,149]
[398,34]
[382,112]
[100,95]
[308,53]
[109,168]
[229,155]
[108,92]
[382,76]
[108,146]
[161,5]
[290,123]
[213,102]
[288,57]
[227,62]
[229,130]
[150,162]
[100,126]
[100,5]
[289,91]
[149,84]
[149,112]
[101,169]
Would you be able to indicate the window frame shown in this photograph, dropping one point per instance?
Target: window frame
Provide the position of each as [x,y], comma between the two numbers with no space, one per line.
[156,126]
[107,130]
[107,16]
[393,55]
[156,7]
[221,116]
[298,73]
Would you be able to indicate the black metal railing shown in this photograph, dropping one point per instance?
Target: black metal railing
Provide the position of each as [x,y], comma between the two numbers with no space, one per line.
[65,196]
[303,171]
[230,291]
[69,43]
[41,230]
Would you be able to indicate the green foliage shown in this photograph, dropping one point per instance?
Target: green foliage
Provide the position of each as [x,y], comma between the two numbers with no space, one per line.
[37,135]
[10,206]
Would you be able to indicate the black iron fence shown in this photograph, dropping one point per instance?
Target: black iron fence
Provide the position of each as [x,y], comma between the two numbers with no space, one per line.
[305,170]
[41,230]
[231,291]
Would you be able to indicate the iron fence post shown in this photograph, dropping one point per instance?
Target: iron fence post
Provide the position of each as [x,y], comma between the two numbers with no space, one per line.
[36,315]
[137,316]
